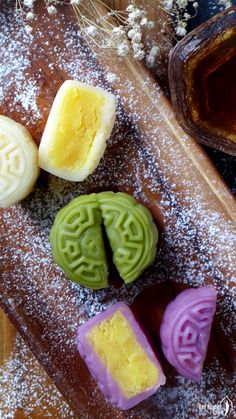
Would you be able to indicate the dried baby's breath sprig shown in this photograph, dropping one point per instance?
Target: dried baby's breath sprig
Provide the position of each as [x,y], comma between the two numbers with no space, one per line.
[52,10]
[118,31]
[151,57]
[178,9]
[225,3]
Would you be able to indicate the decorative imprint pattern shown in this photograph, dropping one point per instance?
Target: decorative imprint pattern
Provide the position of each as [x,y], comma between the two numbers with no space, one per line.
[77,242]
[18,162]
[131,232]
[12,165]
[186,329]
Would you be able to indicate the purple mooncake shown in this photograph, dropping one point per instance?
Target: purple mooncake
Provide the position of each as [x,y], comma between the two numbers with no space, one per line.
[185,330]
[119,357]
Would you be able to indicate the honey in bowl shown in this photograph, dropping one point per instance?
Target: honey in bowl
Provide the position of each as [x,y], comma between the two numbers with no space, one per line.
[202,72]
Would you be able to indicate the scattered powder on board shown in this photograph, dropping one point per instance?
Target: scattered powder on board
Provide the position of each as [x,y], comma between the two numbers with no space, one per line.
[14,66]
[25,386]
[36,214]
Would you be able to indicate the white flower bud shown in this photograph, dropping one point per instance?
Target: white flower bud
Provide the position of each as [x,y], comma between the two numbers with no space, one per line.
[130,8]
[91,30]
[51,10]
[168,4]
[122,50]
[131,19]
[195,4]
[180,31]
[182,4]
[154,50]
[136,37]
[30,16]
[139,55]
[131,33]
[144,21]
[28,3]
[137,13]
[187,16]
[75,2]
[137,46]
[150,24]
[118,33]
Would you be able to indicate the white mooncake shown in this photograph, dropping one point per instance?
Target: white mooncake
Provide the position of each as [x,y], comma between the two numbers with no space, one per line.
[74,140]
[19,167]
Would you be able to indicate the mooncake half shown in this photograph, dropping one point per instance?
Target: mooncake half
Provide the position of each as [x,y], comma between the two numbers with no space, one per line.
[186,328]
[80,121]
[77,242]
[119,357]
[19,167]
[131,232]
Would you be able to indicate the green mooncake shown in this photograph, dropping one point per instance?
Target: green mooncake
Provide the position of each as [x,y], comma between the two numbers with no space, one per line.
[77,242]
[131,232]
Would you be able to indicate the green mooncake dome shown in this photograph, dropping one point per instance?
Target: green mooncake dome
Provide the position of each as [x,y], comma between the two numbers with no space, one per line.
[131,232]
[77,242]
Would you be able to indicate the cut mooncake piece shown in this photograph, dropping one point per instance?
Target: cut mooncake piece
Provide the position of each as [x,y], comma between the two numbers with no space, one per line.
[77,242]
[131,232]
[119,357]
[19,167]
[186,328]
[80,121]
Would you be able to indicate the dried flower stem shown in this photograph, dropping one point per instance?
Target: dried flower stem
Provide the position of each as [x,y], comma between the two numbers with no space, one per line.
[119,31]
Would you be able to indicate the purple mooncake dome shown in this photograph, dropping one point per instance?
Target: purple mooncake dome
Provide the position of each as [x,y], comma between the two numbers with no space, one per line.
[185,330]
[110,388]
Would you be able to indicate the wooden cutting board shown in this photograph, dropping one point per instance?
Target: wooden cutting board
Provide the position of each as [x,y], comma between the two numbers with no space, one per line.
[26,391]
[148,156]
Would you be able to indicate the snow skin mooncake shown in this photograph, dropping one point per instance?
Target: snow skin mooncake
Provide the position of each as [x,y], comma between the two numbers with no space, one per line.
[119,357]
[131,232]
[77,242]
[186,328]
[19,167]
[80,121]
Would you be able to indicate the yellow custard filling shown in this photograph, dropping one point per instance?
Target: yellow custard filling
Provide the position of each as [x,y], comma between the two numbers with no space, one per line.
[76,127]
[115,344]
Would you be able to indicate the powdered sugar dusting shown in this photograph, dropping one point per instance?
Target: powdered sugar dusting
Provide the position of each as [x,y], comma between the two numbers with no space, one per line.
[13,69]
[25,387]
[190,251]
[197,401]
